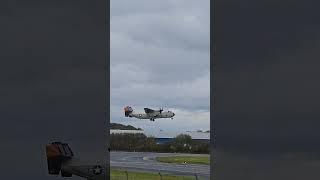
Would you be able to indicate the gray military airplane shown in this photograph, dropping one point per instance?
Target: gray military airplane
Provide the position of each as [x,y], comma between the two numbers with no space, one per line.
[149,113]
[61,160]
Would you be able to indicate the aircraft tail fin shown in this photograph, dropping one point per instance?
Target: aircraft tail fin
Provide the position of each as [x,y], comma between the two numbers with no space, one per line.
[57,153]
[127,111]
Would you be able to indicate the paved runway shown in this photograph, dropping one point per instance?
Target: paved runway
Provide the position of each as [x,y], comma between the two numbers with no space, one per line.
[145,161]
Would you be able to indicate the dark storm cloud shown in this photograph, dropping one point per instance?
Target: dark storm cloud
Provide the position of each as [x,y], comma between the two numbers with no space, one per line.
[267,100]
[52,82]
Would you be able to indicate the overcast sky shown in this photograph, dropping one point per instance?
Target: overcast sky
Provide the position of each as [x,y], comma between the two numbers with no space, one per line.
[160,58]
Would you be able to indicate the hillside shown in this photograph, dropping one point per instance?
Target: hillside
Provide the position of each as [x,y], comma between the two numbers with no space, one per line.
[122,127]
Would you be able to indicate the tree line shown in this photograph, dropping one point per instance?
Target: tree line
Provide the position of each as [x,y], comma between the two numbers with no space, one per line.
[182,143]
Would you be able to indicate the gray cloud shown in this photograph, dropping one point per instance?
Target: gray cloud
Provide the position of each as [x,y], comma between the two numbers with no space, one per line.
[160,58]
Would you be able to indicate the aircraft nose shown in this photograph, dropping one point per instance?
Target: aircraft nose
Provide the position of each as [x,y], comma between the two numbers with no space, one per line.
[173,114]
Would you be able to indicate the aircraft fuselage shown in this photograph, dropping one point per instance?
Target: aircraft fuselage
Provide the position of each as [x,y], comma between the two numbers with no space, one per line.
[154,115]
[149,113]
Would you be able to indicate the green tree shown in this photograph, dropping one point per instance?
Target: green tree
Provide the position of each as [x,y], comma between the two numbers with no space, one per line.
[182,143]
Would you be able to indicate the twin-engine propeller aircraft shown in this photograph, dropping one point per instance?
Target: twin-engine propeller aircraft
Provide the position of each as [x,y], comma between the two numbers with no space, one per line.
[149,113]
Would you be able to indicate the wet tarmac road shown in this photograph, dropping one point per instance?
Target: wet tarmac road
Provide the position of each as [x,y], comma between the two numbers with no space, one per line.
[145,161]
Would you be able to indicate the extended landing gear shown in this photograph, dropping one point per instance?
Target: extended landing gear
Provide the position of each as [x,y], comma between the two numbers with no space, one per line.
[151,119]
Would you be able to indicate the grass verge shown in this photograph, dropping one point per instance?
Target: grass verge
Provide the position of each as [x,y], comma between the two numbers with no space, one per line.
[185,159]
[132,175]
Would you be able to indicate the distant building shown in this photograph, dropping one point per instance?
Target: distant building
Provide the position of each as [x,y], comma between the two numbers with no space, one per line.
[120,131]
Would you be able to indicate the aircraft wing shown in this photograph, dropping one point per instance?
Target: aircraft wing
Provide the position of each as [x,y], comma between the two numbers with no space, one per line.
[89,172]
[148,110]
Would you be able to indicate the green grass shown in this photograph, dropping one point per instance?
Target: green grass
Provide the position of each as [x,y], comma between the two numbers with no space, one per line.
[121,175]
[188,159]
